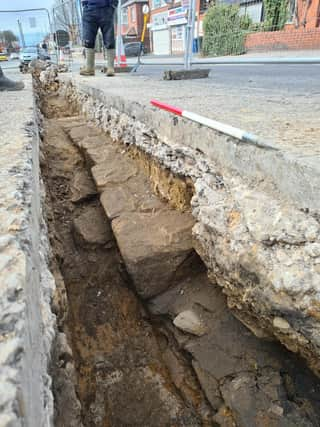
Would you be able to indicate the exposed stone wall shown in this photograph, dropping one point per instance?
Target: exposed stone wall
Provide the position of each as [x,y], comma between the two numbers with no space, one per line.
[27,325]
[258,246]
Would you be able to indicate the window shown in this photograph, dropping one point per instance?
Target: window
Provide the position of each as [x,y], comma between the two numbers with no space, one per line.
[125,16]
[292,10]
[177,32]
[158,3]
[160,19]
[133,14]
[204,5]
[253,10]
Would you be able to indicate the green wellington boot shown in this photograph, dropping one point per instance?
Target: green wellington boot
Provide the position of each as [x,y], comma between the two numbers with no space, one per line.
[111,53]
[88,70]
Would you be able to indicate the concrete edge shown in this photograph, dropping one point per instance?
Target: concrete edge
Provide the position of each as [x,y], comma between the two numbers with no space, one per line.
[27,323]
[295,178]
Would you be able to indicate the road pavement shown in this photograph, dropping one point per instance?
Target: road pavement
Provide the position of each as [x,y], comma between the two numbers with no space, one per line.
[280,103]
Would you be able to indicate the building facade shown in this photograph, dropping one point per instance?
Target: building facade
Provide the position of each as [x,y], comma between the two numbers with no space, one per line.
[168,19]
[132,22]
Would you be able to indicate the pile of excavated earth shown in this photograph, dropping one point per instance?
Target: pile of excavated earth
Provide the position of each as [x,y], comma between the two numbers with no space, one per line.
[146,338]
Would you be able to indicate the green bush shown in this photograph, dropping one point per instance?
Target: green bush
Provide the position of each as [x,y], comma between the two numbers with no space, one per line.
[224,31]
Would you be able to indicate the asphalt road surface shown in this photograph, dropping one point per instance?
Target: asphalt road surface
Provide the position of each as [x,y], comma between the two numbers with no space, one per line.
[295,79]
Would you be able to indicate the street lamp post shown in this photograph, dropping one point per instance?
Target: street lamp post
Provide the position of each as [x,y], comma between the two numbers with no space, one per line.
[190,34]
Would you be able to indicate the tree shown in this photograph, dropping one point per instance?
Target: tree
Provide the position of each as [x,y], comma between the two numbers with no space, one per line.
[66,18]
[7,37]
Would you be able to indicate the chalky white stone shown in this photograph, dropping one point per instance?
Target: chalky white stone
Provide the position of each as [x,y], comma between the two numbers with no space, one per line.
[188,321]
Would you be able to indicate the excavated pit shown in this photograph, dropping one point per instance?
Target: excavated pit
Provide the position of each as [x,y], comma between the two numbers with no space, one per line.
[125,268]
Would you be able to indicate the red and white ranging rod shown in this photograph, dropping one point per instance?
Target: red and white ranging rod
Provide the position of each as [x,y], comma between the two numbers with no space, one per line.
[213,124]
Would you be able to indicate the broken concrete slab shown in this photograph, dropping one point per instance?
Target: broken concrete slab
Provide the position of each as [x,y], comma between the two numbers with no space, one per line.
[200,73]
[82,186]
[92,228]
[153,246]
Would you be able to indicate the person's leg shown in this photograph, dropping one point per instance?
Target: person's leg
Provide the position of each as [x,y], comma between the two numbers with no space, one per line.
[90,28]
[7,84]
[107,28]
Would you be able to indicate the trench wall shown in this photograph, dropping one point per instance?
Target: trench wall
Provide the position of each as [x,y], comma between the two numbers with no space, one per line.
[27,325]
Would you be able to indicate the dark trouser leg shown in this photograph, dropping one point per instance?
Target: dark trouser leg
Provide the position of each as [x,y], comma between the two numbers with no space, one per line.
[7,84]
[107,28]
[90,24]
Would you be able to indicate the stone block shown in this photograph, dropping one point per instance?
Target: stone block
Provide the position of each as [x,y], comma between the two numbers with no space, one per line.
[153,246]
[134,195]
[80,132]
[82,186]
[113,171]
[92,228]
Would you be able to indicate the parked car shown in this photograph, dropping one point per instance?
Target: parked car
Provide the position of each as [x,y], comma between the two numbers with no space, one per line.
[14,56]
[28,54]
[3,56]
[133,48]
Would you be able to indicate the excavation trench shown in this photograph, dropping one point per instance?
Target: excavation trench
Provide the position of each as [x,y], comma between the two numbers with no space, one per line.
[119,360]
[121,379]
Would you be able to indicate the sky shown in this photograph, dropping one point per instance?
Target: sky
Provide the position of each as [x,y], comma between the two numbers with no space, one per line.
[24,4]
[35,25]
